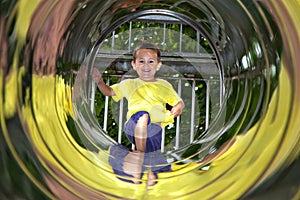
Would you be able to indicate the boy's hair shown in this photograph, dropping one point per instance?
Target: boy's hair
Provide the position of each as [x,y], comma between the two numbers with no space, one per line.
[146,45]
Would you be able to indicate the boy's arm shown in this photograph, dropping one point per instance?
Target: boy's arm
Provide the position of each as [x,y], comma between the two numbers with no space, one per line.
[177,109]
[105,89]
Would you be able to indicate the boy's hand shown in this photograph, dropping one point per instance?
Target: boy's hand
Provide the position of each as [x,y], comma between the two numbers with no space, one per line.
[177,109]
[104,89]
[96,75]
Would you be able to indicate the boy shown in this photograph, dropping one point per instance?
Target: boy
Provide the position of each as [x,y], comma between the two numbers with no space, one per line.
[147,97]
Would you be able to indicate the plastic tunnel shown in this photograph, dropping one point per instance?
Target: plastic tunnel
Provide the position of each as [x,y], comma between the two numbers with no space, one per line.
[234,63]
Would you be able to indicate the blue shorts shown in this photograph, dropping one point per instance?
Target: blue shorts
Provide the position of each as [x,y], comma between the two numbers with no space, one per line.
[153,161]
[154,132]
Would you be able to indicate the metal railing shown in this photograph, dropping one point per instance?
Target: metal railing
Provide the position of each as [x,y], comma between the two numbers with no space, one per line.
[192,103]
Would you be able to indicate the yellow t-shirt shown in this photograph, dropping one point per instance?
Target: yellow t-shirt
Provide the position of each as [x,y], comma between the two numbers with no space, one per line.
[148,96]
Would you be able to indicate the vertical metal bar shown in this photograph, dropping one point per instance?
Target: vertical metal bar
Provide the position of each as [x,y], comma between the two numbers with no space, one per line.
[178,119]
[163,138]
[193,111]
[164,37]
[198,42]
[130,35]
[113,41]
[180,39]
[120,121]
[92,97]
[207,104]
[106,107]
[221,92]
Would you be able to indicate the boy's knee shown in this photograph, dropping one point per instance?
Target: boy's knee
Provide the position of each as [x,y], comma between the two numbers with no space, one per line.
[143,120]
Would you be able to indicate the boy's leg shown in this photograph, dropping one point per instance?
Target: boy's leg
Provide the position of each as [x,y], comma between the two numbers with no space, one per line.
[133,165]
[144,135]
[140,132]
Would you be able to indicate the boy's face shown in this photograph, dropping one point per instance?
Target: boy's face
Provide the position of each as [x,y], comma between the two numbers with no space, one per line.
[146,64]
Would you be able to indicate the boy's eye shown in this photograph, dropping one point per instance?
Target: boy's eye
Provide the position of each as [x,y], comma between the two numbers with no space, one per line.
[144,62]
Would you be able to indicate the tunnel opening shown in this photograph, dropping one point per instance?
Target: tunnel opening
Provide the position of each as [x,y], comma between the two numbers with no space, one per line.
[189,64]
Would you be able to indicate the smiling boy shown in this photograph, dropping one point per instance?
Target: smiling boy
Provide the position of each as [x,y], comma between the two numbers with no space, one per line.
[147,97]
